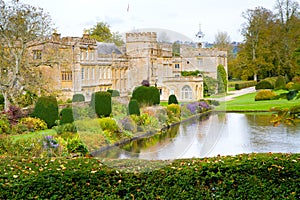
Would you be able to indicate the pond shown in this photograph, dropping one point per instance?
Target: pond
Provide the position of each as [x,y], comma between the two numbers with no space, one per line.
[220,133]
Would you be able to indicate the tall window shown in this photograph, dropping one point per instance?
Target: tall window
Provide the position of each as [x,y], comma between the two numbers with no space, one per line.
[66,76]
[82,73]
[200,61]
[186,92]
[93,73]
[177,66]
[37,54]
[87,73]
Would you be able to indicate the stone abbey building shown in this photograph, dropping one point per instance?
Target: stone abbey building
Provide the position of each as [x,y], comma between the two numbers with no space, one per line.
[75,65]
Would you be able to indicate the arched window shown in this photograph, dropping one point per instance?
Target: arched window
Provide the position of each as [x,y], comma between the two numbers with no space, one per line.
[186,92]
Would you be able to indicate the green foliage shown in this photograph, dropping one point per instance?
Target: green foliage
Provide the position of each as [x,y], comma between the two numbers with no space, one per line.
[103,105]
[1,99]
[280,83]
[254,176]
[291,94]
[65,128]
[146,95]
[264,84]
[4,124]
[30,124]
[133,107]
[289,85]
[222,79]
[27,99]
[239,86]
[109,124]
[264,95]
[172,99]
[174,113]
[190,73]
[78,98]
[76,146]
[66,116]
[175,49]
[114,93]
[210,86]
[46,109]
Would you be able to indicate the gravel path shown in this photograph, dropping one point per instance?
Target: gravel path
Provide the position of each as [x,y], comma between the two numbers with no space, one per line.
[236,93]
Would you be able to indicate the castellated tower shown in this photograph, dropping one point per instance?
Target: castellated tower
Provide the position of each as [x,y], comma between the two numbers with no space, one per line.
[141,49]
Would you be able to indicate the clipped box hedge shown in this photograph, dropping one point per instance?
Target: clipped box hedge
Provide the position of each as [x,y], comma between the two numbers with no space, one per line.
[239,86]
[246,176]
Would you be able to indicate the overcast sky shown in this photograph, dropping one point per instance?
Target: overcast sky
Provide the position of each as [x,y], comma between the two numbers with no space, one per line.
[71,17]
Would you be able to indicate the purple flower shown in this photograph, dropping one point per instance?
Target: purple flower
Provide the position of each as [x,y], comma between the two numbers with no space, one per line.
[50,142]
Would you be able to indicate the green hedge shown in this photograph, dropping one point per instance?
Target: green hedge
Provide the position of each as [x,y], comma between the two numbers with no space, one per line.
[280,83]
[66,116]
[114,93]
[146,95]
[172,99]
[78,98]
[265,95]
[103,105]
[264,84]
[133,107]
[222,79]
[46,109]
[246,176]
[239,86]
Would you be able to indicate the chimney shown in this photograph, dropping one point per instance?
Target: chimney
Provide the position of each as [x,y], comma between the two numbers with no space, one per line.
[55,36]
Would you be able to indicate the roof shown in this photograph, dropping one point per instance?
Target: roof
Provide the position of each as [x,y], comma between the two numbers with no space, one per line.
[107,48]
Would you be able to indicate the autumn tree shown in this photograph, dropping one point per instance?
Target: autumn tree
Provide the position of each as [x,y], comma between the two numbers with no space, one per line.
[20,24]
[102,33]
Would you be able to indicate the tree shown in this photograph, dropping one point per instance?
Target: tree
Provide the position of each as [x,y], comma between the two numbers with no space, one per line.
[20,24]
[102,33]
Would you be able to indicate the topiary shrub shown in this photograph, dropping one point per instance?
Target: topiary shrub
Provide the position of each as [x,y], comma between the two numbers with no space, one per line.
[46,109]
[264,84]
[146,95]
[114,93]
[78,98]
[222,79]
[264,95]
[133,107]
[289,85]
[66,116]
[291,94]
[172,99]
[103,105]
[239,86]
[280,83]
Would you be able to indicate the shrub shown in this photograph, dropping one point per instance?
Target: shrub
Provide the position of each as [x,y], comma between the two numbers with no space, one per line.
[14,113]
[109,124]
[289,85]
[46,109]
[296,79]
[31,124]
[146,95]
[65,128]
[145,83]
[264,84]
[264,95]
[172,99]
[174,109]
[133,107]
[222,79]
[242,85]
[78,98]
[291,94]
[76,146]
[4,124]
[1,99]
[209,86]
[114,93]
[66,116]
[295,87]
[128,124]
[103,105]
[280,83]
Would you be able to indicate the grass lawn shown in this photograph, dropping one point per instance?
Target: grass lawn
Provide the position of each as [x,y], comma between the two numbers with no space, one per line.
[34,134]
[247,103]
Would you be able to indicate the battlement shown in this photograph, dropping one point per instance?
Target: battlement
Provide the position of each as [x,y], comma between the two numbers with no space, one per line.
[141,37]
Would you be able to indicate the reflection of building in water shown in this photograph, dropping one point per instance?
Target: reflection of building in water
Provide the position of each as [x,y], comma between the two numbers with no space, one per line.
[82,65]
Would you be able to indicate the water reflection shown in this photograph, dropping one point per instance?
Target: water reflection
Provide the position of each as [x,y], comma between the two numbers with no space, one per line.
[222,133]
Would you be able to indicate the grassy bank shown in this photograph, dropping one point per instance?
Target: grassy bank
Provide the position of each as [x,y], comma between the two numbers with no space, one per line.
[247,176]
[247,103]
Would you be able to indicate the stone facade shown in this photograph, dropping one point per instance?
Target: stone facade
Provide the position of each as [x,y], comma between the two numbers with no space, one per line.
[82,65]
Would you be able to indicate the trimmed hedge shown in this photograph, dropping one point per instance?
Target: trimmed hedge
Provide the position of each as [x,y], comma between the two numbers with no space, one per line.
[114,93]
[246,176]
[46,109]
[78,98]
[103,107]
[222,79]
[133,107]
[146,95]
[264,84]
[66,116]
[172,99]
[265,95]
[280,83]
[239,86]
